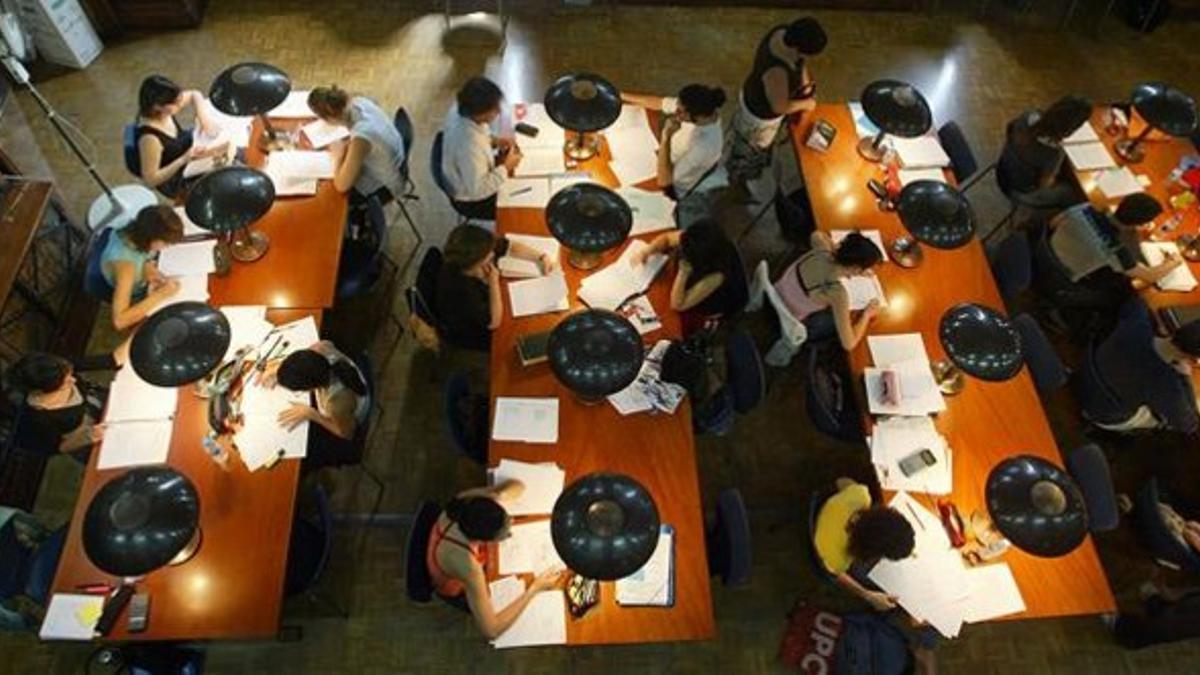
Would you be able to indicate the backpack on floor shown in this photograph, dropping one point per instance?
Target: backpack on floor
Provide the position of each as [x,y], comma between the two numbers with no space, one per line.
[819,642]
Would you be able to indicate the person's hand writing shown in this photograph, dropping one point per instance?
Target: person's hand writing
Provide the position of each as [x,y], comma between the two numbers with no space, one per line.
[882,602]
[491,273]
[294,415]
[503,143]
[872,309]
[549,580]
[168,288]
[512,158]
[547,263]
[97,433]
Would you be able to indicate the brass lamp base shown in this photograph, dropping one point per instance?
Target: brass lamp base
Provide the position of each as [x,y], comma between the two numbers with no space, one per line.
[185,554]
[872,149]
[581,146]
[249,245]
[1130,150]
[584,261]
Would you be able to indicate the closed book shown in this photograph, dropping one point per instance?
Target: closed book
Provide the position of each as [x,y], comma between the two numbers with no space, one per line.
[531,347]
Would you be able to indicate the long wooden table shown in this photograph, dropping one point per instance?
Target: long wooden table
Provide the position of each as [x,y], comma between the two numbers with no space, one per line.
[987,421]
[233,587]
[656,450]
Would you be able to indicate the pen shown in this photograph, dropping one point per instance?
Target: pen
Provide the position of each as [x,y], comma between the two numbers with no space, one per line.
[94,589]
[914,515]
[520,192]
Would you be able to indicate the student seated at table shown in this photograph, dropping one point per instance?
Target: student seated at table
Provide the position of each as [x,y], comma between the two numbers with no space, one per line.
[1031,162]
[778,85]
[691,142]
[474,161]
[128,264]
[852,535]
[60,413]
[369,164]
[1101,251]
[812,289]
[457,555]
[339,392]
[1140,381]
[164,146]
[469,305]
[710,283]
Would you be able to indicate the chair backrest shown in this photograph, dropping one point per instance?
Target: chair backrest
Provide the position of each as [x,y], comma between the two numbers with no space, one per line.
[422,296]
[828,399]
[1164,546]
[404,126]
[94,283]
[815,502]
[728,541]
[435,166]
[746,377]
[417,581]
[962,159]
[465,418]
[1045,366]
[1012,265]
[1096,398]
[133,159]
[1088,465]
[311,544]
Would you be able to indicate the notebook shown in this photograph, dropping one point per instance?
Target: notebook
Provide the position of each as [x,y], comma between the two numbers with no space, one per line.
[653,585]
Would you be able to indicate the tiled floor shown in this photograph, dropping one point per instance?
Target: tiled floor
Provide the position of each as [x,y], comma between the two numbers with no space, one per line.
[978,73]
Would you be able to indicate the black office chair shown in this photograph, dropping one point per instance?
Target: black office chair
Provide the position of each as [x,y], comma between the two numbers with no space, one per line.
[133,158]
[963,164]
[467,418]
[1047,369]
[828,396]
[1012,265]
[418,583]
[815,502]
[1157,535]
[365,263]
[404,126]
[439,177]
[308,554]
[745,375]
[94,283]
[27,571]
[1089,467]
[362,435]
[421,297]
[728,540]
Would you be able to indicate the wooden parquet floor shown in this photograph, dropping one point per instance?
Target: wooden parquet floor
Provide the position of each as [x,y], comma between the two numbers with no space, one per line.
[980,73]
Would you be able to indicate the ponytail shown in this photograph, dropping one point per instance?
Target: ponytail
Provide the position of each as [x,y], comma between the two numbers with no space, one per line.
[349,376]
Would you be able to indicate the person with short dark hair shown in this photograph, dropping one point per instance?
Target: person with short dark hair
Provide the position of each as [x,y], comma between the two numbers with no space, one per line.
[164,146]
[469,303]
[369,162]
[813,291]
[1101,251]
[779,84]
[709,283]
[129,264]
[1031,162]
[691,143]
[475,162]
[340,401]
[457,555]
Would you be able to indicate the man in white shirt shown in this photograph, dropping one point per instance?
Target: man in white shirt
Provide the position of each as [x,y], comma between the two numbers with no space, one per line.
[689,151]
[474,162]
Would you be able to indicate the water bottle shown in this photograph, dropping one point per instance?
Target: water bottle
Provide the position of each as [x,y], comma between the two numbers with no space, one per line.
[217,452]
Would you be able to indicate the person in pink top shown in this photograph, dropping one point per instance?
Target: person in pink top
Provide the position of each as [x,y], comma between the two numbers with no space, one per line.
[812,290]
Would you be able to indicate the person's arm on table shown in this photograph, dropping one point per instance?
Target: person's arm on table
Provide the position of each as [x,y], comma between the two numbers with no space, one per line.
[879,600]
[525,252]
[492,623]
[204,117]
[1152,274]
[647,101]
[665,169]
[852,331]
[348,161]
[126,313]
[684,297]
[665,242]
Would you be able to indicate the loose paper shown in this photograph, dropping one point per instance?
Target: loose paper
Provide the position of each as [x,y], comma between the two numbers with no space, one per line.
[550,135]
[188,258]
[321,133]
[192,288]
[633,168]
[530,193]
[920,152]
[1086,133]
[530,420]
[529,548]
[135,443]
[130,398]
[913,175]
[505,591]
[652,211]
[544,622]
[71,617]
[540,162]
[316,164]
[653,584]
[862,289]
[1179,279]
[539,295]
[1117,183]
[612,286]
[1089,156]
[294,106]
[543,484]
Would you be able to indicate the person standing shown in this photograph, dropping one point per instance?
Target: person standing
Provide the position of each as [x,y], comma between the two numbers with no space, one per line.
[474,161]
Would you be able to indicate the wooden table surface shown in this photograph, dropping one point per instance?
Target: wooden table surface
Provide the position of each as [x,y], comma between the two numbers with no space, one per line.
[300,267]
[233,586]
[21,210]
[987,421]
[657,450]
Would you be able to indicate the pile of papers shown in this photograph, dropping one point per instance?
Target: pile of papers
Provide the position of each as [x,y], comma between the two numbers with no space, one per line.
[294,106]
[935,585]
[544,622]
[905,355]
[920,152]
[321,133]
[296,172]
[1089,156]
[188,258]
[539,295]
[611,287]
[72,616]
[913,175]
[895,438]
[536,161]
[236,130]
[543,484]
[862,289]
[1117,183]
[652,211]
[138,422]
[1181,278]
[641,314]
[248,327]
[654,584]
[527,420]
[519,268]
[633,146]
[529,549]
[648,392]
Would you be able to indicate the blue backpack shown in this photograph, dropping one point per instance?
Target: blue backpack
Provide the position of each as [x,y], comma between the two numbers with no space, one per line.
[870,645]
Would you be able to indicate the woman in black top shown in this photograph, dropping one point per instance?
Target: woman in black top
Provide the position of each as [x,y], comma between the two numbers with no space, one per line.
[778,85]
[469,306]
[710,282]
[164,147]
[1030,166]
[59,413]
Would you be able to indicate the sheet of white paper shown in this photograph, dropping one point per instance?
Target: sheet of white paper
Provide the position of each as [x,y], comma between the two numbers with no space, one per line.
[294,106]
[912,175]
[299,334]
[71,617]
[652,211]
[863,127]
[291,186]
[247,327]
[544,622]
[261,439]
[887,350]
[930,587]
[505,591]
[135,443]
[893,439]
[236,129]
[632,117]
[543,484]
[994,593]
[130,398]
[563,181]
[190,229]
[530,420]
[321,133]
[920,152]
[611,287]
[633,168]
[930,400]
[301,164]
[874,235]
[529,193]
[192,288]
[1179,279]
[550,135]
[631,141]
[1116,183]
[539,295]
[1086,133]
[1089,156]
[529,549]
[930,537]
[188,258]
[540,162]
[862,289]
[651,584]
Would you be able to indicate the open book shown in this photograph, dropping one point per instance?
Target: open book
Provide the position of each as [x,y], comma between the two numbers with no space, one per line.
[612,286]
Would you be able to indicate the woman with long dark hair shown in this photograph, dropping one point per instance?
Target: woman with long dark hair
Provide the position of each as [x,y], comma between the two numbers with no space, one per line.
[164,146]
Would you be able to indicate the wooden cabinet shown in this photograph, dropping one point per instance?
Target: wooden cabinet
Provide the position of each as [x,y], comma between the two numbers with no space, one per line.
[115,17]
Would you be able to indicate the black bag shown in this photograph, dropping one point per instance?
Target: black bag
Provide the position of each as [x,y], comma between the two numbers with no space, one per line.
[794,213]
